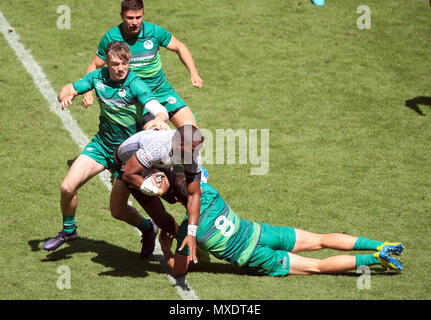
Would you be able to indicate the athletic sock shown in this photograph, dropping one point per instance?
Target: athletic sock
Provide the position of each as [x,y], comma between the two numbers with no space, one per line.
[366,244]
[145,225]
[69,224]
[366,260]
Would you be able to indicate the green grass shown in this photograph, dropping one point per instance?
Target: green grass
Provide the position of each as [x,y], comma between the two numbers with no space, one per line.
[346,153]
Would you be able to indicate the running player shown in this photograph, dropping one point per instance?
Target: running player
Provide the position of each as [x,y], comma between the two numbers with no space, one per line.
[122,98]
[145,40]
[162,149]
[267,249]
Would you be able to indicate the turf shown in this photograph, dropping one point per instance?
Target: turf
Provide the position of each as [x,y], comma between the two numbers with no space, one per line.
[348,115]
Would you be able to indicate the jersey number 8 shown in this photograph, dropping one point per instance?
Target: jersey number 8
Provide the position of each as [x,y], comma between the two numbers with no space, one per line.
[225,226]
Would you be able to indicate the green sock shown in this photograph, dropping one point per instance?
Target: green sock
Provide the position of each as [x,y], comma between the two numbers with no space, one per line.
[366,260]
[366,244]
[69,224]
[145,225]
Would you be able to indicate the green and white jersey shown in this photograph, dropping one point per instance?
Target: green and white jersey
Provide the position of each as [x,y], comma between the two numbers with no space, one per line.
[121,104]
[221,232]
[145,60]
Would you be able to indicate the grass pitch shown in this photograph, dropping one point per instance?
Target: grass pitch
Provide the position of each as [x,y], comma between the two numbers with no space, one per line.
[349,117]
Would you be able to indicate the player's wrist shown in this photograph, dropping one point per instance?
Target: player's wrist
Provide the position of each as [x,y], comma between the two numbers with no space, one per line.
[192,229]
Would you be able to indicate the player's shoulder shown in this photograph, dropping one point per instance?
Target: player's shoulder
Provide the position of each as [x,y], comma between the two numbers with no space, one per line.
[151,29]
[114,34]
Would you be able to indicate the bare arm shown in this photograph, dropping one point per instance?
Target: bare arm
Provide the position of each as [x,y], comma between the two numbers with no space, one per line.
[88,98]
[177,263]
[66,95]
[193,210]
[187,59]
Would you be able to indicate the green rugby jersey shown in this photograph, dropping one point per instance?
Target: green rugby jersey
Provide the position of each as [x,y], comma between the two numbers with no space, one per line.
[221,232]
[145,60]
[121,103]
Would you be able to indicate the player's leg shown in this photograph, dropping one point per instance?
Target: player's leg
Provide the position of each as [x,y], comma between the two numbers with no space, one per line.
[309,241]
[121,210]
[304,265]
[183,116]
[82,169]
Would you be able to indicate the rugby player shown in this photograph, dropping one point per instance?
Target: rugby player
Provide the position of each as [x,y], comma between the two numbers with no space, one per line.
[122,98]
[145,40]
[263,248]
[166,150]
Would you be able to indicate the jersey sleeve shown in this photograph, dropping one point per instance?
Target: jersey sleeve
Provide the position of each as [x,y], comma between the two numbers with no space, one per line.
[85,84]
[162,35]
[141,91]
[103,45]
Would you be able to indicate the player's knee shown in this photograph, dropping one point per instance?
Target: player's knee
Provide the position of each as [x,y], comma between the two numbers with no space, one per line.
[67,189]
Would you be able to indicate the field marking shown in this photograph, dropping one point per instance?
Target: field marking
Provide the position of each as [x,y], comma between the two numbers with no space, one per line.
[76,133]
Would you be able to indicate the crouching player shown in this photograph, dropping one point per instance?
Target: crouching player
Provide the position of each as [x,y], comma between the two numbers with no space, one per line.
[264,248]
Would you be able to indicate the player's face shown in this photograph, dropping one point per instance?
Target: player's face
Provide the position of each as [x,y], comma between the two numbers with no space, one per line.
[132,20]
[118,68]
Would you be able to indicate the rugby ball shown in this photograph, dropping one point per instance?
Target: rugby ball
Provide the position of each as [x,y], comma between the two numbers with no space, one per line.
[153,177]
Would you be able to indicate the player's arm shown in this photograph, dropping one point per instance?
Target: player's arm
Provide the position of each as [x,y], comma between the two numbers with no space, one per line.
[132,176]
[187,59]
[178,263]
[146,97]
[97,63]
[193,210]
[66,95]
[160,116]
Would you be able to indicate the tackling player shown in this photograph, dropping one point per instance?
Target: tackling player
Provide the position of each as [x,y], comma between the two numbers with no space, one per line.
[162,149]
[122,98]
[263,248]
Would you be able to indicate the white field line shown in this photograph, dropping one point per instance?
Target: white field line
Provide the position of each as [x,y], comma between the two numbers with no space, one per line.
[77,135]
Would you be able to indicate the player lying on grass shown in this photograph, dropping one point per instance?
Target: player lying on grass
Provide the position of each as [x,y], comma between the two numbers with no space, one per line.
[162,149]
[122,98]
[264,248]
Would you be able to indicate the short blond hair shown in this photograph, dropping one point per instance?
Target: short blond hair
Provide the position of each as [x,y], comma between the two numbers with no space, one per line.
[118,49]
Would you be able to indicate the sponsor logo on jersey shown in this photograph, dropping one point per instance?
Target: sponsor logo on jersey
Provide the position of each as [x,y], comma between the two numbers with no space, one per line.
[100,85]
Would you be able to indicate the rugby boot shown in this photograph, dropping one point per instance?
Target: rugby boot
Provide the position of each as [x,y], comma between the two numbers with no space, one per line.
[59,239]
[148,240]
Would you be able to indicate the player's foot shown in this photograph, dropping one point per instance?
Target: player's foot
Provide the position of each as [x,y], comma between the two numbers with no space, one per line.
[204,175]
[319,2]
[148,240]
[59,239]
[393,247]
[387,261]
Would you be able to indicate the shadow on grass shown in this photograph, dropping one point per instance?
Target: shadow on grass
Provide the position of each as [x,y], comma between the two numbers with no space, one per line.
[123,261]
[415,102]
[126,263]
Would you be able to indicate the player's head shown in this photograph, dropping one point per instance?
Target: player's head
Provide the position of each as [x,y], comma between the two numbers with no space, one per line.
[117,58]
[179,188]
[186,143]
[132,14]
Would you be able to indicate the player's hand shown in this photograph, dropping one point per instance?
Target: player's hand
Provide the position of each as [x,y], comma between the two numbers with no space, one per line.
[67,101]
[190,241]
[196,81]
[156,124]
[88,99]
